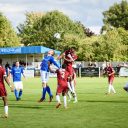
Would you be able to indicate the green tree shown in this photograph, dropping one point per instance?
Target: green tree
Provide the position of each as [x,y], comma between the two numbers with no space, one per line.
[42,31]
[8,36]
[110,47]
[116,16]
[28,31]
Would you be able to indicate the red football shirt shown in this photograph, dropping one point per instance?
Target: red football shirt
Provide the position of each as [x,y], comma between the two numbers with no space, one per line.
[62,76]
[2,86]
[109,70]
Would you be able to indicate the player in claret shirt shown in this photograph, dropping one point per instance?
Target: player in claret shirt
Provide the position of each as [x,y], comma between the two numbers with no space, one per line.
[69,57]
[110,72]
[3,92]
[62,86]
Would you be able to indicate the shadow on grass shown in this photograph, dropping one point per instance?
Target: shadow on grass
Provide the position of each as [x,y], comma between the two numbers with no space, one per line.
[27,106]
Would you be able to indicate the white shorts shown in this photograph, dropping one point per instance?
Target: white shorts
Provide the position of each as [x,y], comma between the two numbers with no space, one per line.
[44,76]
[18,85]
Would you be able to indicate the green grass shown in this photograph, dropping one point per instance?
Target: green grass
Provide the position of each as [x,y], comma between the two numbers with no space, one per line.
[93,110]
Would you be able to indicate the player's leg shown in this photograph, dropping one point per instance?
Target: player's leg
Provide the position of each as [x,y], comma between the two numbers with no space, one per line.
[16,91]
[73,89]
[58,92]
[65,89]
[69,95]
[21,89]
[48,88]
[5,107]
[111,82]
[43,77]
[126,87]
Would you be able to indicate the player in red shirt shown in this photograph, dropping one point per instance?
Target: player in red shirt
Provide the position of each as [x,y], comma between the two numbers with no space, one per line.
[110,72]
[3,92]
[69,58]
[62,87]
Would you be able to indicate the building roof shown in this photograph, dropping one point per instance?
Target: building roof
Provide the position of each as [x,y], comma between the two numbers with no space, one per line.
[26,50]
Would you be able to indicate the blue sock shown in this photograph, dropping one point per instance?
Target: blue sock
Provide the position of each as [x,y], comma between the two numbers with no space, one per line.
[44,92]
[49,90]
[16,94]
[20,93]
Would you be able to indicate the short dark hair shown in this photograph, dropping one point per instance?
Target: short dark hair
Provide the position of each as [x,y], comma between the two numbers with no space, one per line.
[64,66]
[0,61]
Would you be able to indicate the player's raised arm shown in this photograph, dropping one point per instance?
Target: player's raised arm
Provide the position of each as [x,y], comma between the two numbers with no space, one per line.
[52,60]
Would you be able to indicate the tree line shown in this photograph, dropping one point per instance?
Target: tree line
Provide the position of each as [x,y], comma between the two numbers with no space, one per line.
[39,29]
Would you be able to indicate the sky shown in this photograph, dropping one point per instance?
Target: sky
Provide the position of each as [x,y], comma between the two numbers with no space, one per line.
[88,12]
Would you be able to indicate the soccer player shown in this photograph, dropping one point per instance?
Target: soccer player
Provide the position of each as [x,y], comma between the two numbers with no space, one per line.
[110,72]
[126,86]
[45,74]
[69,58]
[3,92]
[17,72]
[62,87]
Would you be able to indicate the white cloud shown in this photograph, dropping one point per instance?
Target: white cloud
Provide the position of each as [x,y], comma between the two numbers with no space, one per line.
[9,8]
[89,12]
[63,1]
[95,29]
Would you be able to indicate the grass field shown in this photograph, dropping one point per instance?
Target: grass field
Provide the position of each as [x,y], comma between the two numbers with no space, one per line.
[93,110]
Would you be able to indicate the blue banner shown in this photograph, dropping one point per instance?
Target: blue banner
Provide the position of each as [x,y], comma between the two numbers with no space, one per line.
[16,50]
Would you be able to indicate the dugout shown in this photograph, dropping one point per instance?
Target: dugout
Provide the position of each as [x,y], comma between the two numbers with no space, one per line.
[29,56]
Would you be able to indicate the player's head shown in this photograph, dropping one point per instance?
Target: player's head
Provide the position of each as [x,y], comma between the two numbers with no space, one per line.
[72,49]
[17,64]
[64,66]
[0,61]
[108,64]
[51,52]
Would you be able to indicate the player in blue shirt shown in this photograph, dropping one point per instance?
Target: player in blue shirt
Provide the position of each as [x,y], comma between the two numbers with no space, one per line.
[16,72]
[48,59]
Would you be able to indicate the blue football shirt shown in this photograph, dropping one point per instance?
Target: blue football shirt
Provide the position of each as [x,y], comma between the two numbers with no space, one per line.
[16,73]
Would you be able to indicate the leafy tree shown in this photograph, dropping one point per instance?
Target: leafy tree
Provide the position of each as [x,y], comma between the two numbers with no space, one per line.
[28,31]
[87,31]
[110,47]
[42,31]
[8,36]
[116,16]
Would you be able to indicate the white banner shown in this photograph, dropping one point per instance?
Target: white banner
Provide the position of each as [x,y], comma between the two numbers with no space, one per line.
[29,73]
[123,71]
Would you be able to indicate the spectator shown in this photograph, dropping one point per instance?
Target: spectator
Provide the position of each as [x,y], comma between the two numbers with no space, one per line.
[90,64]
[95,64]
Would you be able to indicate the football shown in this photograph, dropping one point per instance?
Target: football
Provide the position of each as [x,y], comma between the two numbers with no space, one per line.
[57,35]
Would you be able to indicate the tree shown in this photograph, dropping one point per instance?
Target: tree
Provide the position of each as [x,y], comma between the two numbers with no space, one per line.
[87,31]
[116,16]
[8,36]
[42,31]
[28,31]
[110,47]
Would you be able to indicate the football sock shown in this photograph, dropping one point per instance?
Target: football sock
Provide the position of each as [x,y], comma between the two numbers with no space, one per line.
[69,95]
[109,88]
[16,94]
[72,86]
[65,101]
[20,93]
[48,90]
[44,92]
[58,98]
[113,89]
[69,86]
[75,99]
[6,110]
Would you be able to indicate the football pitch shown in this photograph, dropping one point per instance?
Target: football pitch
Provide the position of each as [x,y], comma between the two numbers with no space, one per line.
[94,109]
